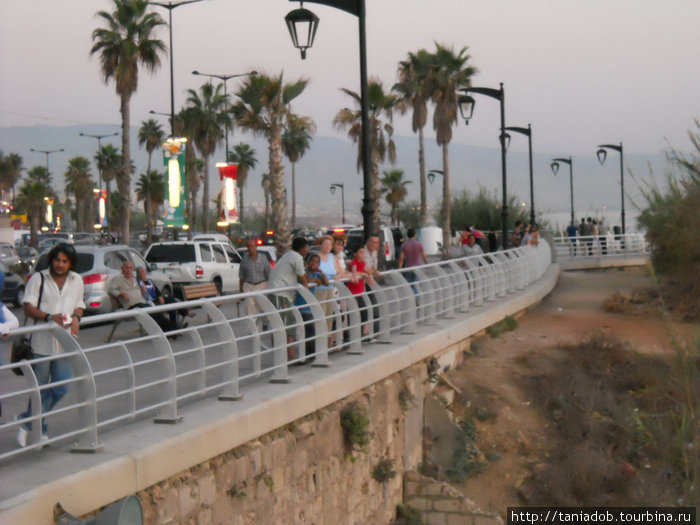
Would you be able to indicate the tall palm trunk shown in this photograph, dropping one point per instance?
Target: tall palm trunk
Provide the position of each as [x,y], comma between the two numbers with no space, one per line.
[376,194]
[124,175]
[193,210]
[294,196]
[423,188]
[108,207]
[205,196]
[149,229]
[266,190]
[150,154]
[446,226]
[240,213]
[279,202]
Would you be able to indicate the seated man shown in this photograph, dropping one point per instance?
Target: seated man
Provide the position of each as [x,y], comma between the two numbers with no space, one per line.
[151,294]
[127,292]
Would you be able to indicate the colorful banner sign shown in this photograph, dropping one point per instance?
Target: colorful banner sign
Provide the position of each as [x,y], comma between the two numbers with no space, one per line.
[175,182]
[228,173]
[101,208]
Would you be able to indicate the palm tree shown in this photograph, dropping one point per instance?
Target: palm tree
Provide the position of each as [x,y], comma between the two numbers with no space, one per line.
[10,172]
[448,72]
[243,155]
[31,200]
[151,135]
[413,91]
[295,141]
[150,189]
[394,185]
[79,183]
[207,118]
[382,146]
[40,174]
[265,183]
[262,108]
[109,162]
[127,41]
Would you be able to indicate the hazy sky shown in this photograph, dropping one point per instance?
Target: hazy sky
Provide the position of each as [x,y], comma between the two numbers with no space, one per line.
[582,72]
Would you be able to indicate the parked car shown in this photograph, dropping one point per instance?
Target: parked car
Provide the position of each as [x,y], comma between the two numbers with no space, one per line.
[217,237]
[194,262]
[98,264]
[27,256]
[9,256]
[390,238]
[13,290]
[268,252]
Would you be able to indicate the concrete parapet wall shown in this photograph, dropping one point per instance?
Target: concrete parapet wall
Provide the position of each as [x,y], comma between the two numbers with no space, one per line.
[270,445]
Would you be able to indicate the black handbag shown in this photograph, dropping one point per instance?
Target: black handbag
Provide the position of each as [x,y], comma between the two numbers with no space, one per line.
[22,349]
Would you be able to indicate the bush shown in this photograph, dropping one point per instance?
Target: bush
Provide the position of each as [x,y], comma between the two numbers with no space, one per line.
[354,420]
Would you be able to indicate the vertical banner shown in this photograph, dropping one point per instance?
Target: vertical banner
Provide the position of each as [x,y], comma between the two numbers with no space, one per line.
[175,194]
[228,173]
[101,208]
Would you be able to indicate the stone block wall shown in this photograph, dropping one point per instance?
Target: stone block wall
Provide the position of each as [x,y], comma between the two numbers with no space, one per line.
[441,504]
[301,473]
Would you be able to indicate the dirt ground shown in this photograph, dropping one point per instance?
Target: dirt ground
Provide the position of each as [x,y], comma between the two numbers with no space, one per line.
[515,437]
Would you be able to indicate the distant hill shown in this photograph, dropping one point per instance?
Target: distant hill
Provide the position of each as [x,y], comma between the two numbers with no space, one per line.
[334,159]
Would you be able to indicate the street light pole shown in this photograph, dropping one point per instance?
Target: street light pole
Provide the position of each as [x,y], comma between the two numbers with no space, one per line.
[602,154]
[342,195]
[500,95]
[47,153]
[306,19]
[170,6]
[224,79]
[555,169]
[528,132]
[99,148]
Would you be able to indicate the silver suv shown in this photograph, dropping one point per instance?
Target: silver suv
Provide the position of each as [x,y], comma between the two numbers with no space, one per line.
[98,264]
[194,262]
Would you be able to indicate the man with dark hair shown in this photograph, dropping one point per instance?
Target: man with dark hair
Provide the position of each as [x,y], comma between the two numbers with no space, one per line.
[411,251]
[288,271]
[52,295]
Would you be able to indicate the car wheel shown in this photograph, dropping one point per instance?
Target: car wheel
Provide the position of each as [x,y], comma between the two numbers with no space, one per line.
[19,297]
[218,284]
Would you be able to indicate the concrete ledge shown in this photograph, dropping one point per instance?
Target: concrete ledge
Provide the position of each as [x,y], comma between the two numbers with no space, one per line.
[587,263]
[142,454]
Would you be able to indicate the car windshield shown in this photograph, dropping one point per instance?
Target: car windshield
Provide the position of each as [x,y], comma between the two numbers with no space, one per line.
[25,251]
[85,262]
[177,253]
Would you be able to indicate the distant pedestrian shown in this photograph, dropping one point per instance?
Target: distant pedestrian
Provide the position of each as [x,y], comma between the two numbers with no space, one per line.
[357,284]
[411,254]
[603,231]
[471,248]
[254,272]
[52,295]
[571,231]
[288,271]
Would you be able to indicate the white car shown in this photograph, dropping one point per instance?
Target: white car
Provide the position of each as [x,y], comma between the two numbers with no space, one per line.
[195,262]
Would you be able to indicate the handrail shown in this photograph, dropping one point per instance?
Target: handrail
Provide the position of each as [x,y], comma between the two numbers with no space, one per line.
[151,373]
[600,247]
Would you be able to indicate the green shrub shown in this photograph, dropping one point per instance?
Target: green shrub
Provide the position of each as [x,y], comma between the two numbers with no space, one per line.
[355,422]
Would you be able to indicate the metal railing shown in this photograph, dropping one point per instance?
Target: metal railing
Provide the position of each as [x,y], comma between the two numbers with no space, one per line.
[600,247]
[235,340]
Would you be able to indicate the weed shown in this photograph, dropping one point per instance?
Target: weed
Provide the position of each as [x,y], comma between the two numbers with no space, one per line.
[406,515]
[507,324]
[269,483]
[464,460]
[384,470]
[355,422]
[406,399]
[237,492]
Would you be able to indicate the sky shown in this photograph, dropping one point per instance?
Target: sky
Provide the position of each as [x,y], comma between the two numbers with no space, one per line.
[581,73]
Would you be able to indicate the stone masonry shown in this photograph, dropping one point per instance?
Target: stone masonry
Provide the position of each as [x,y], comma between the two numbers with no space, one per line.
[301,473]
[441,504]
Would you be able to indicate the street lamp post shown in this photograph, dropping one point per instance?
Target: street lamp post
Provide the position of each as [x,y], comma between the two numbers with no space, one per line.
[99,148]
[302,22]
[170,6]
[224,79]
[602,154]
[555,169]
[47,153]
[342,195]
[528,133]
[466,108]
